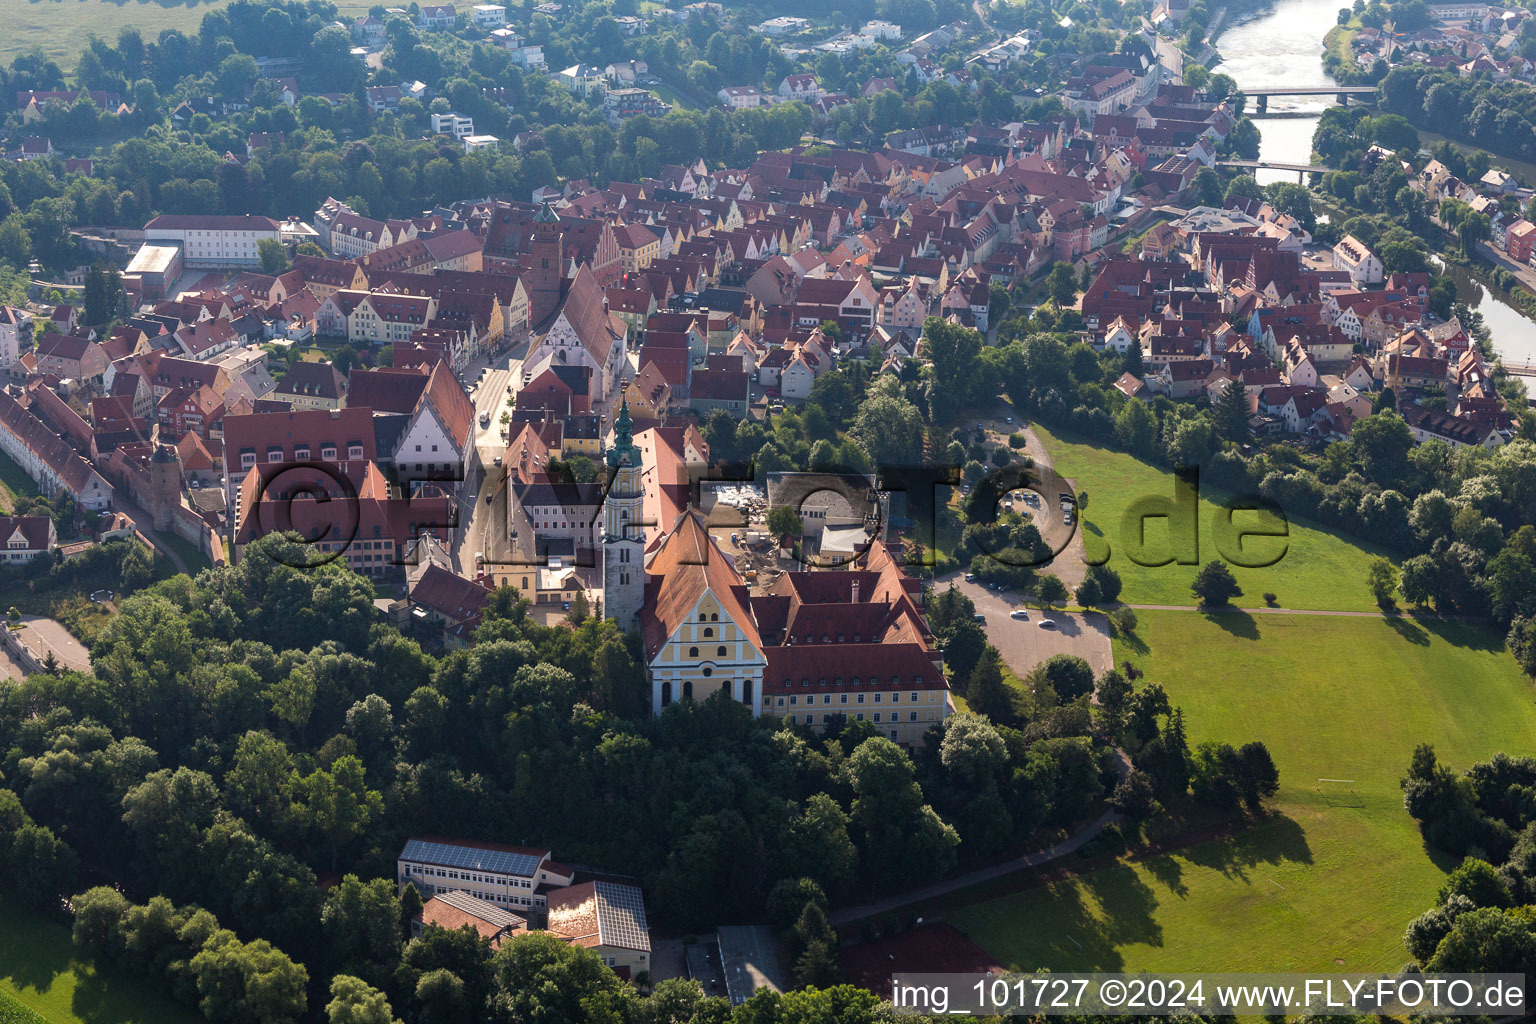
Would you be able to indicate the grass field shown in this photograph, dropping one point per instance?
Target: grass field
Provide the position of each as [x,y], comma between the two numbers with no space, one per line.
[1311,567]
[14,483]
[61,27]
[38,972]
[1330,881]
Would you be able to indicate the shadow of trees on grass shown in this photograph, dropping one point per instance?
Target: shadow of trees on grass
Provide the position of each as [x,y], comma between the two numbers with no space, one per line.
[1126,911]
[1234,620]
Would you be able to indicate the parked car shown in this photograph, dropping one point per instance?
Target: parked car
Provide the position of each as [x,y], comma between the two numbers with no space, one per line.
[979,617]
[1021,614]
[1047,623]
[970,577]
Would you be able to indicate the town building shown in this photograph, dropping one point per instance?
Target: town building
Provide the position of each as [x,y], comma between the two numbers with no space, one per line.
[213,240]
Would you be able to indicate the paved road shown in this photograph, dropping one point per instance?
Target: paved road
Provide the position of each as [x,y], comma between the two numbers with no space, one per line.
[977,876]
[481,524]
[1524,271]
[145,521]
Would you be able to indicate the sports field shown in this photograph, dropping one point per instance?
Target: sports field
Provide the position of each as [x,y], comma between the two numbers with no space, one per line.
[38,973]
[1331,881]
[1310,567]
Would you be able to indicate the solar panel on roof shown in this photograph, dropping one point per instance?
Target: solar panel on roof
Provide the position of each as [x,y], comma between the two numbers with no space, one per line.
[471,858]
[621,916]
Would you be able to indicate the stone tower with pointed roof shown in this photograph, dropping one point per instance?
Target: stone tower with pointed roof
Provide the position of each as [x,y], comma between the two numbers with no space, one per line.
[623,534]
[547,264]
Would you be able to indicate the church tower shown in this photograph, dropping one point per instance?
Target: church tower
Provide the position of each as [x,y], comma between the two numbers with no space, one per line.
[547,254]
[623,534]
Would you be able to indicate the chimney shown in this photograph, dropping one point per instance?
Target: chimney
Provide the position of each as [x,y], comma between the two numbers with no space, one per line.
[855,590]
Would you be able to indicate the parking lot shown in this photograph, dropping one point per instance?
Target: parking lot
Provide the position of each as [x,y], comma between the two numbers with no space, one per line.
[1023,644]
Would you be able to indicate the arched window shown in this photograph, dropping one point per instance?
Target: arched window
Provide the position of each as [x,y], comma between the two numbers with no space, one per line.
[687,689]
[714,617]
[708,671]
[666,693]
[746,691]
[693,652]
[720,651]
[709,631]
[725,686]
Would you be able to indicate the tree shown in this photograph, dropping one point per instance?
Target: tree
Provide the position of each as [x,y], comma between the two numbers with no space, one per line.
[39,867]
[1255,774]
[274,256]
[1107,579]
[100,295]
[1205,188]
[784,520]
[1419,580]
[98,921]
[1066,675]
[362,926]
[889,426]
[1060,285]
[1477,881]
[337,803]
[954,363]
[1134,797]
[788,898]
[542,979]
[247,983]
[986,693]
[1232,413]
[813,936]
[1136,427]
[1244,186]
[904,837]
[1050,589]
[410,907]
[1124,620]
[1489,939]
[1383,579]
[354,1001]
[1215,585]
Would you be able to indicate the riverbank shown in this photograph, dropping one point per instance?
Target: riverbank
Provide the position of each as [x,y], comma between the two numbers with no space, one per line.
[1519,168]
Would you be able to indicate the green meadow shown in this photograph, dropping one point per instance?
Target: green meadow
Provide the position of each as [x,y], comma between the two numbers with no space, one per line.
[1308,567]
[1332,877]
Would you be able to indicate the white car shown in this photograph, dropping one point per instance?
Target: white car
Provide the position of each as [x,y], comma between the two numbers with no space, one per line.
[1047,623]
[1019,613]
[970,577]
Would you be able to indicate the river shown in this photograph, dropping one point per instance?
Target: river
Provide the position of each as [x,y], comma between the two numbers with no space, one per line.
[1283,45]
[1513,335]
